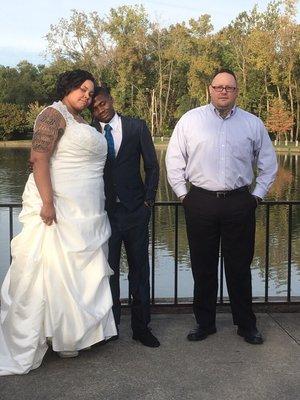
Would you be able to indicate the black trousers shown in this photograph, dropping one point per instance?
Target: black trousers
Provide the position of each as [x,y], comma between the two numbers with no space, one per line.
[231,221]
[131,228]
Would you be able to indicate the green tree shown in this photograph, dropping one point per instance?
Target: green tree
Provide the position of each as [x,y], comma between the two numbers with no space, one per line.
[289,54]
[22,85]
[237,41]
[204,58]
[34,110]
[80,41]
[12,119]
[128,29]
[158,73]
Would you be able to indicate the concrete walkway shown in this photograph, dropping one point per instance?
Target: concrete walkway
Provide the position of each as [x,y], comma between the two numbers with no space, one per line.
[222,367]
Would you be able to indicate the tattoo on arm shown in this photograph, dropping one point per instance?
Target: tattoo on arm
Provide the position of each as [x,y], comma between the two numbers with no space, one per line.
[49,128]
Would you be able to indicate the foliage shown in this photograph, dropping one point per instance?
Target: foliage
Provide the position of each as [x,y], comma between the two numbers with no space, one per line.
[12,119]
[279,120]
[157,73]
[34,110]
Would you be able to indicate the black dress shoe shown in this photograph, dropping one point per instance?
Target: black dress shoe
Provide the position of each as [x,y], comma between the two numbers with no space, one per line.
[252,336]
[200,333]
[146,338]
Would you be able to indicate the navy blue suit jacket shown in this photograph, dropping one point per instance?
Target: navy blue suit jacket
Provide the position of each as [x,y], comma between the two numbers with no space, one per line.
[122,176]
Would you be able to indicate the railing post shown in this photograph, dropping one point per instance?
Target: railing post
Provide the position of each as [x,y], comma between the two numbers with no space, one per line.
[221,276]
[153,257]
[290,215]
[11,229]
[267,248]
[176,257]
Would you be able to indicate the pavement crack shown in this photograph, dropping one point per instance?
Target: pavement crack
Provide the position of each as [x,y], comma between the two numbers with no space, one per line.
[284,329]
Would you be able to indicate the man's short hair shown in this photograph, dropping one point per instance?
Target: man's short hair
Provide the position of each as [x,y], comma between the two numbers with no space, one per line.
[224,70]
[102,90]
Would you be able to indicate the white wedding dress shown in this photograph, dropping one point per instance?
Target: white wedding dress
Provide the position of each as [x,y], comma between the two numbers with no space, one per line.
[58,283]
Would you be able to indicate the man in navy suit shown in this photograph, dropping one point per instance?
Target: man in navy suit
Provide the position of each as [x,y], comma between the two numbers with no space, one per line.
[128,203]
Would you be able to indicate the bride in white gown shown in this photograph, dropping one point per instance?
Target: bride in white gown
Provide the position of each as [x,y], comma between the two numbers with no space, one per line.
[57,286]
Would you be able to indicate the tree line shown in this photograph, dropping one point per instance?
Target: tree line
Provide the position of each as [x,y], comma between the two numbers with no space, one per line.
[158,73]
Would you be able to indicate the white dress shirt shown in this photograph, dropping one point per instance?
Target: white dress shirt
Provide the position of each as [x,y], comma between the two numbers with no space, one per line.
[116,131]
[219,154]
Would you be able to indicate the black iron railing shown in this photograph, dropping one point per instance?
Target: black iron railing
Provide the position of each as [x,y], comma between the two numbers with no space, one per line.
[11,207]
[267,205]
[176,205]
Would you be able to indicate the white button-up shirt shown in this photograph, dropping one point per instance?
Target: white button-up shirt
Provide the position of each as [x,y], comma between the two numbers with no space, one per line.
[220,154]
[116,131]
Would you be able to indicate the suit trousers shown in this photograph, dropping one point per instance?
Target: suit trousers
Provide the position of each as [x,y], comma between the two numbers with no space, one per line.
[230,220]
[131,228]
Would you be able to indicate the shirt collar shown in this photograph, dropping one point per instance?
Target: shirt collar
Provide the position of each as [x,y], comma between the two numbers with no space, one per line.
[215,111]
[113,122]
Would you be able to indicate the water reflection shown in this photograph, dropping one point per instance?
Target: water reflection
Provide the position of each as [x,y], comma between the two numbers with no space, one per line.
[13,175]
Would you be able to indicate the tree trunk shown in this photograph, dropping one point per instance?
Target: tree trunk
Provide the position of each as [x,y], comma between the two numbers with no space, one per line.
[168,91]
[291,104]
[244,85]
[152,111]
[267,91]
[156,115]
[160,106]
[207,93]
[297,130]
[278,91]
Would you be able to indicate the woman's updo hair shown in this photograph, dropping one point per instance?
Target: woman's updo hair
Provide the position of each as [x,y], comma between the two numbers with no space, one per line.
[70,80]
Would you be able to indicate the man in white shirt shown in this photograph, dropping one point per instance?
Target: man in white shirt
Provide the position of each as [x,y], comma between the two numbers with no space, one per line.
[215,148]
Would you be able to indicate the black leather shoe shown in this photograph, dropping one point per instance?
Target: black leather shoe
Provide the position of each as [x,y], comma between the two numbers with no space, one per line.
[146,338]
[252,336]
[200,333]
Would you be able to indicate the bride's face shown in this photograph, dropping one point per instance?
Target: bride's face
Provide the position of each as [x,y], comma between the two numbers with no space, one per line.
[80,98]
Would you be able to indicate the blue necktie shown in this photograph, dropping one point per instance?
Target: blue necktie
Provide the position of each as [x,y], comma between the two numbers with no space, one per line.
[111,155]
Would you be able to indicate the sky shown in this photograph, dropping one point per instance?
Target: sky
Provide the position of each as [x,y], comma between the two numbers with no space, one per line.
[24,23]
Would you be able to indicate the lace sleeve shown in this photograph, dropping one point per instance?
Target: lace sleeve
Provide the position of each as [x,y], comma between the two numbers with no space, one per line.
[48,129]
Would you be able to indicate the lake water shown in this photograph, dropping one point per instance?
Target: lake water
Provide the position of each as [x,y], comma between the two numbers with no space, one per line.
[14,173]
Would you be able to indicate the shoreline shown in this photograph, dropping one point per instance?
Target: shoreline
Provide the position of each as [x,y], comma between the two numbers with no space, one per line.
[15,144]
[158,145]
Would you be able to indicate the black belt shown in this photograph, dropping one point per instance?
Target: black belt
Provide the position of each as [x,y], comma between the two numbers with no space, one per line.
[221,193]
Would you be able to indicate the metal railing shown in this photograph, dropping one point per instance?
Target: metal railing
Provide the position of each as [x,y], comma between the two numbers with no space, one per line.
[11,207]
[221,301]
